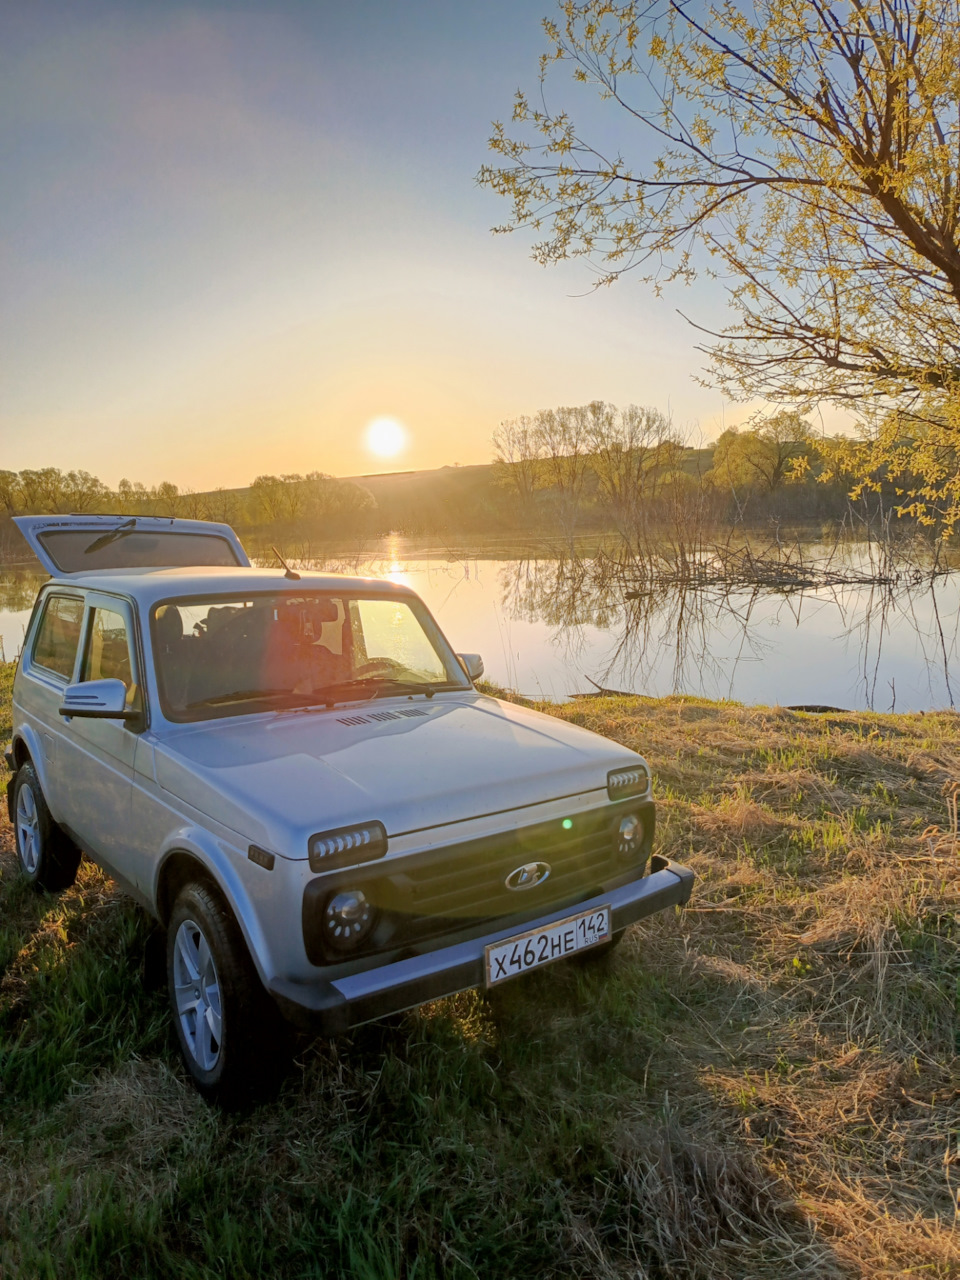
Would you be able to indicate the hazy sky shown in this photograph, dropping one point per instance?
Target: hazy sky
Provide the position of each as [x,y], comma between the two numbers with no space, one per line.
[231,234]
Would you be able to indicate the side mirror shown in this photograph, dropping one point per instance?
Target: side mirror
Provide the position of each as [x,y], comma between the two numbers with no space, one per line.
[472,664]
[97,700]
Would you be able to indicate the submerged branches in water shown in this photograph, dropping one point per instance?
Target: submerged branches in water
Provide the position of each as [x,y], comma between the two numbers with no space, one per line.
[886,612]
[689,632]
[777,567]
[679,615]
[664,625]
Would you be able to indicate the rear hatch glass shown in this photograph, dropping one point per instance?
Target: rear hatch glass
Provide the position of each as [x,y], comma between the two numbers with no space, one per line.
[85,544]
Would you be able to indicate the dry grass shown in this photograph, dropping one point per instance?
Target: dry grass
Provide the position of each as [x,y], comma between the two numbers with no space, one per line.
[764,1086]
[827,919]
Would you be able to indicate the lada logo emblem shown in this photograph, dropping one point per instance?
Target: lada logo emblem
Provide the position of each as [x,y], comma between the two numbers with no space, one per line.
[528,876]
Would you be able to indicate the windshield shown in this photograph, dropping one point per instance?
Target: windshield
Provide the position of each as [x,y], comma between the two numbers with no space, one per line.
[219,656]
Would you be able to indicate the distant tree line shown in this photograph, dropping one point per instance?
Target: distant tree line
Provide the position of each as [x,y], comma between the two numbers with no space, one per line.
[559,472]
[270,500]
[313,505]
[597,466]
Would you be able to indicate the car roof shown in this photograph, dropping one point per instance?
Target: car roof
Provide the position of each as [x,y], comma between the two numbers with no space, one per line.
[150,585]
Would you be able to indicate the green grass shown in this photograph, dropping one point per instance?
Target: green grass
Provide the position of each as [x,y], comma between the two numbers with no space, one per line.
[762,1086]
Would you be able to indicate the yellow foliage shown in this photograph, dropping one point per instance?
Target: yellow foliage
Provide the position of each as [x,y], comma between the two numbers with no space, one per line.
[809,155]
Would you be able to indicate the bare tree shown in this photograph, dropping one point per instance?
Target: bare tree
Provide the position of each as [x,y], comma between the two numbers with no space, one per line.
[632,452]
[517,452]
[562,445]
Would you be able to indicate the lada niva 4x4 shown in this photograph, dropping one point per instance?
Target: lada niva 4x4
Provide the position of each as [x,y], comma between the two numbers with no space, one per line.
[295,774]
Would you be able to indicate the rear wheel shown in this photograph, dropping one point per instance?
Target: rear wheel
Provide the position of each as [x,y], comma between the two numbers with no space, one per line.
[231,1038]
[48,857]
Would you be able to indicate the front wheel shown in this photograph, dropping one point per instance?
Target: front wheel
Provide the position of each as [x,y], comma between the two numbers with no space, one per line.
[48,857]
[230,1036]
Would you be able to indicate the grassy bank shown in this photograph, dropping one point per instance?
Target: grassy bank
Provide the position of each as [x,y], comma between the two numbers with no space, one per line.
[763,1086]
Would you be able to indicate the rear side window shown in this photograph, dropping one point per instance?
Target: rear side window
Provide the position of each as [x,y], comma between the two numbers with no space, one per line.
[58,635]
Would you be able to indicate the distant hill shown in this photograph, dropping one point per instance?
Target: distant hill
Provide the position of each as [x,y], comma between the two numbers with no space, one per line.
[398,482]
[441,498]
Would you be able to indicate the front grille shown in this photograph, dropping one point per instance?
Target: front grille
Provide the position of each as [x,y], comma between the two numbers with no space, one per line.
[444,890]
[469,882]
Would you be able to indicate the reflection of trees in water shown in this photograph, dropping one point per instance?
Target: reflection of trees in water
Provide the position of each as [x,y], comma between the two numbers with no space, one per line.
[678,628]
[664,622]
[698,635]
[18,590]
[694,637]
[929,610]
[19,587]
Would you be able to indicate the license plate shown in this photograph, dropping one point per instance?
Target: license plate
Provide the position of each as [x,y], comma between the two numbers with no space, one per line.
[513,956]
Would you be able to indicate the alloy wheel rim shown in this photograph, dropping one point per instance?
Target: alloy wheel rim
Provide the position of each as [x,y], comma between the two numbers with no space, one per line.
[28,829]
[196,990]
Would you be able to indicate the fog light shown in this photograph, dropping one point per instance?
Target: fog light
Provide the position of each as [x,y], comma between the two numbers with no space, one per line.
[629,836]
[347,919]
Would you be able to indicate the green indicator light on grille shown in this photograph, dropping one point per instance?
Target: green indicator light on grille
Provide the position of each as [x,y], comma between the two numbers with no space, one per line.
[567,824]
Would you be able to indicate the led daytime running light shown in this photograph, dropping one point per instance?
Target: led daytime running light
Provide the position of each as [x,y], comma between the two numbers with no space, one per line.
[628,782]
[347,846]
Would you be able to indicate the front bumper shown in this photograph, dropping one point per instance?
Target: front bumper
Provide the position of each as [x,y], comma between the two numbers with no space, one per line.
[346,1002]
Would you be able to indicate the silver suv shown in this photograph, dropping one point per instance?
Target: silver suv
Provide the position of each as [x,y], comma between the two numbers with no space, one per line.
[295,775]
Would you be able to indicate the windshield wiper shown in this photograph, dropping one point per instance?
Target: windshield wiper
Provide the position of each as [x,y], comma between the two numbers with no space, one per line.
[105,539]
[241,695]
[390,685]
[376,686]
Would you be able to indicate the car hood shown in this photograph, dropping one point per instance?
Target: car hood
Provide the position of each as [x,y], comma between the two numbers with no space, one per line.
[278,779]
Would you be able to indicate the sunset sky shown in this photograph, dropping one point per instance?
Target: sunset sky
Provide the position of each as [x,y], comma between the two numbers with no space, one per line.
[232,235]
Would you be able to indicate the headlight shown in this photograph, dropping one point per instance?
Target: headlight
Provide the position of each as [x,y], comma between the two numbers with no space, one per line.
[348,919]
[629,835]
[622,783]
[347,846]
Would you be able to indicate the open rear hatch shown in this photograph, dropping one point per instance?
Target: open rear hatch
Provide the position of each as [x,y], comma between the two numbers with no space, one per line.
[82,544]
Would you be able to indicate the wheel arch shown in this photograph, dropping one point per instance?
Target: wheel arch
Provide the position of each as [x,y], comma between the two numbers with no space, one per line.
[26,748]
[180,868]
[20,752]
[190,860]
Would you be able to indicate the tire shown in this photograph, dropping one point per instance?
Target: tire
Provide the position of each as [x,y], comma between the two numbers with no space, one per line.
[231,1038]
[48,857]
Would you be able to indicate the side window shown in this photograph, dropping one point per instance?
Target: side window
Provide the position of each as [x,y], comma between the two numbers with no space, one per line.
[59,634]
[108,649]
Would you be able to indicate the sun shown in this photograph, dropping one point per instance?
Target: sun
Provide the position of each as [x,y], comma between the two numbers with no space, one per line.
[385,437]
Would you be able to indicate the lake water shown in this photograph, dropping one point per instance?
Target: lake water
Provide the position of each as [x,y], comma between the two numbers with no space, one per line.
[552,628]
